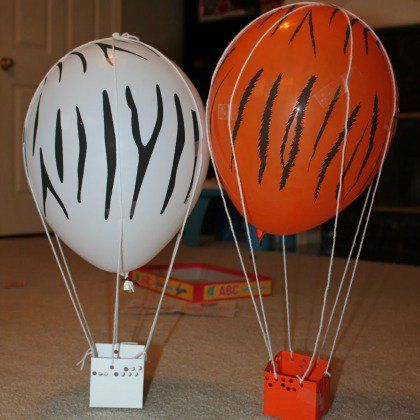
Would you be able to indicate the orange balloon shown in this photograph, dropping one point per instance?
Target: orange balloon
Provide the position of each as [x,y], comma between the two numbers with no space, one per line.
[279,94]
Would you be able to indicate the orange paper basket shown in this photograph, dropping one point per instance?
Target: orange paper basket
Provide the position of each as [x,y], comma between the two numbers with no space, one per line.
[286,398]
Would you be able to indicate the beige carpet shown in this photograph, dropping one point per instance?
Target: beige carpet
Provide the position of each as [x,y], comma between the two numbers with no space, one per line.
[204,367]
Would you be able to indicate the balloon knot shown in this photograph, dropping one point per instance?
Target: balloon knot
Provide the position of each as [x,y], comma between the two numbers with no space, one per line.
[260,236]
[128,286]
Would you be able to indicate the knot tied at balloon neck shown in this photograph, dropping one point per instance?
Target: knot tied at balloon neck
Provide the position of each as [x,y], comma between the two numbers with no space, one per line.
[128,286]
[125,35]
[260,236]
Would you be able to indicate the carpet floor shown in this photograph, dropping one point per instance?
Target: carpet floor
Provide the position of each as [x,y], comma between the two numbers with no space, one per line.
[198,367]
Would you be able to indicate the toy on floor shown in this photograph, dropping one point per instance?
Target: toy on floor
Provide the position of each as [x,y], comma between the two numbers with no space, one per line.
[197,282]
[309,104]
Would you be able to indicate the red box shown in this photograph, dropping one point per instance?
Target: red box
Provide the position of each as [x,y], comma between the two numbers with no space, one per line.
[286,398]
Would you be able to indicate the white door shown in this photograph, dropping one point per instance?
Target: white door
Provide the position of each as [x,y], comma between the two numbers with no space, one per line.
[34,34]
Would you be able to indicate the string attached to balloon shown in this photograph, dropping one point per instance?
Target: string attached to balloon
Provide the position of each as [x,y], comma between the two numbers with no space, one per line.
[120,262]
[372,200]
[348,261]
[264,328]
[337,207]
[190,200]
[68,280]
[286,295]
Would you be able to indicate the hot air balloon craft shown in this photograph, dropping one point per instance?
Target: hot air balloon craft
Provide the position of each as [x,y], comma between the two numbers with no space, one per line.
[115,155]
[300,116]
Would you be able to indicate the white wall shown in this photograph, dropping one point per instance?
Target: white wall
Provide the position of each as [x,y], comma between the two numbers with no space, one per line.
[380,13]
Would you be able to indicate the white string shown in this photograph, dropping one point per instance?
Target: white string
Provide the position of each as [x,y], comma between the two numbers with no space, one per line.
[82,361]
[394,111]
[239,182]
[78,309]
[346,268]
[264,329]
[191,197]
[235,239]
[174,254]
[286,295]
[337,208]
[120,246]
[357,257]
[75,294]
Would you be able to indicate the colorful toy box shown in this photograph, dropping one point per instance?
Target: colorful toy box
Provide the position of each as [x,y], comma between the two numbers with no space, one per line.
[196,282]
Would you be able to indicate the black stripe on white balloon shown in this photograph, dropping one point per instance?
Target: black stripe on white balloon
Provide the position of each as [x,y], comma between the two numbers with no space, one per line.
[144,151]
[48,186]
[196,139]
[110,150]
[179,147]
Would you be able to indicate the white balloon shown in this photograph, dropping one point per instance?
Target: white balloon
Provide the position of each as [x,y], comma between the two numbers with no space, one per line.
[104,140]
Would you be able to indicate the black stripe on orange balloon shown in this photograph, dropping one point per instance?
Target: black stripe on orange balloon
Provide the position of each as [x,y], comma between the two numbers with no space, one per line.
[264,137]
[334,149]
[365,35]
[59,146]
[60,70]
[242,104]
[347,36]
[349,163]
[144,151]
[289,10]
[36,124]
[82,154]
[269,15]
[334,12]
[82,59]
[48,186]
[373,129]
[324,123]
[105,47]
[287,129]
[308,16]
[196,139]
[179,147]
[299,112]
[110,150]
[286,135]
[372,173]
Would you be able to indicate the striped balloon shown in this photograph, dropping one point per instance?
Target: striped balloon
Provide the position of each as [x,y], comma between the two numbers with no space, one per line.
[294,90]
[113,140]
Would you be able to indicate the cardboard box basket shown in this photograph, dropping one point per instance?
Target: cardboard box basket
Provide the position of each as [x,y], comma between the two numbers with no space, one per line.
[198,282]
